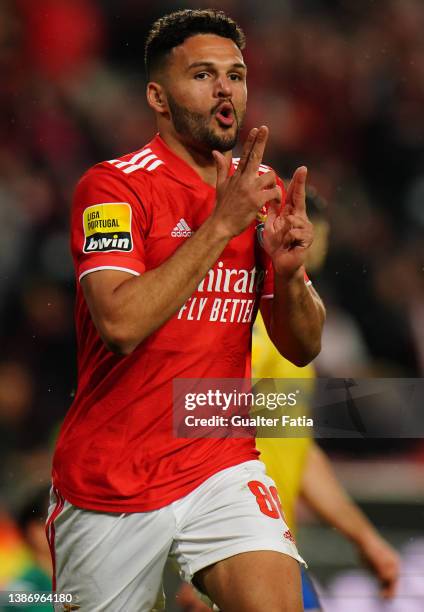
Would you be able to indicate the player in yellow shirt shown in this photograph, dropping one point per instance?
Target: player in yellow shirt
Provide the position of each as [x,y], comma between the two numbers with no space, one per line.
[298,466]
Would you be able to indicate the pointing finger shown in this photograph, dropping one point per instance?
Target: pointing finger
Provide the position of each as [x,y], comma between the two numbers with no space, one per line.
[296,193]
[247,147]
[254,159]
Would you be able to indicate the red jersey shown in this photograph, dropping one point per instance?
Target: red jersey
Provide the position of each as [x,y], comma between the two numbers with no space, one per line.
[116,450]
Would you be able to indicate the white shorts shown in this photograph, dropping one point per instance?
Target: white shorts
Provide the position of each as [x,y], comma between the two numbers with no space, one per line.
[113,562]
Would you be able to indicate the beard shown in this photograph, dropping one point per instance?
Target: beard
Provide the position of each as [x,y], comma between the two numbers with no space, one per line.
[196,128]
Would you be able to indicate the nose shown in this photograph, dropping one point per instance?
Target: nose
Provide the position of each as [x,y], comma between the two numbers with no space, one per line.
[223,87]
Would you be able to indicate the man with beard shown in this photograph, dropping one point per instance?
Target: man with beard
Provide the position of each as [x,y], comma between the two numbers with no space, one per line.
[167,262]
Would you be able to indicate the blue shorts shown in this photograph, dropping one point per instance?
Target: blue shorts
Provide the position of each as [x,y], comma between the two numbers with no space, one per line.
[310,598]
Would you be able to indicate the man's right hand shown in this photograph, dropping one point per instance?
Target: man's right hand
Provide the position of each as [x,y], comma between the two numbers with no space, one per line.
[242,195]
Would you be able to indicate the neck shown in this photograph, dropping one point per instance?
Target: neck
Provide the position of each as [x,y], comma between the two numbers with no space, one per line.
[202,162]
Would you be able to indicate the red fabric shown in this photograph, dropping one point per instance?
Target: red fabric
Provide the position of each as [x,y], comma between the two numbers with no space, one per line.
[50,533]
[116,450]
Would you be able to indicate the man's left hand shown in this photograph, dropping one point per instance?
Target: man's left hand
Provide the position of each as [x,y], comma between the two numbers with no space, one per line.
[288,233]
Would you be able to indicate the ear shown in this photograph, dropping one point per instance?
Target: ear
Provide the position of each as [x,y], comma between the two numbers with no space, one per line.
[156,97]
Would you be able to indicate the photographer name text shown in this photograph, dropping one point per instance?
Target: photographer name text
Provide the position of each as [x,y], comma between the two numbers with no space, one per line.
[243,421]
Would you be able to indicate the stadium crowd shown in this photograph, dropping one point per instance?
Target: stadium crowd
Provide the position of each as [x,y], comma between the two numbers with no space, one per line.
[341,87]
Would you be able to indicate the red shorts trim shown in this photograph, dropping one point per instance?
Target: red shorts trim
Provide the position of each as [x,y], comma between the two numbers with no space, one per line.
[50,531]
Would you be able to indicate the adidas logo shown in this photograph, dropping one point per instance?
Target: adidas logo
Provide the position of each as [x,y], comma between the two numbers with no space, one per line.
[181,230]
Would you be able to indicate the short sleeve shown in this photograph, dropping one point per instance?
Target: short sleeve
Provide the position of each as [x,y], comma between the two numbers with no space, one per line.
[109,222]
[266,263]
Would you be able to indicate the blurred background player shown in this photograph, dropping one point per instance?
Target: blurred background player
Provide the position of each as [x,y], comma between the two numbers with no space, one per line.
[36,576]
[298,465]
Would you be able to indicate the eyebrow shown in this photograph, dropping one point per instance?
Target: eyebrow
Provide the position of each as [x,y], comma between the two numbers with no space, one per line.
[212,65]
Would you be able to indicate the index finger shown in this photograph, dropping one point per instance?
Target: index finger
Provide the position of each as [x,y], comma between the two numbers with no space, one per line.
[255,156]
[296,192]
[247,147]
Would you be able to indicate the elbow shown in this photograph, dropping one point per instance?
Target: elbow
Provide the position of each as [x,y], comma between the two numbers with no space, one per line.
[311,353]
[117,339]
[304,357]
[119,348]
[300,361]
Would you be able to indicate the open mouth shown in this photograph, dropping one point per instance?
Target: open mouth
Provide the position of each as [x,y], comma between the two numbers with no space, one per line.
[225,114]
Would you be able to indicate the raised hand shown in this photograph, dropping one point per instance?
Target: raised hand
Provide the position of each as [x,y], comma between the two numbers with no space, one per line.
[241,196]
[288,233]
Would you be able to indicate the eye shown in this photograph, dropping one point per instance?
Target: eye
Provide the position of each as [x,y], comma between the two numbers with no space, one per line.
[201,76]
[235,77]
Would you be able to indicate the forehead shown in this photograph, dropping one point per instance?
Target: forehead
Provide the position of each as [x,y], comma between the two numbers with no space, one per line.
[205,47]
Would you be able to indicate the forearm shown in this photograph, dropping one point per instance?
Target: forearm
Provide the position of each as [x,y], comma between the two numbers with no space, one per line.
[140,305]
[324,494]
[296,319]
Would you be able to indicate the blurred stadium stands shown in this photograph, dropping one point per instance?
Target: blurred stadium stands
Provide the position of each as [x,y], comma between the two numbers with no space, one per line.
[340,83]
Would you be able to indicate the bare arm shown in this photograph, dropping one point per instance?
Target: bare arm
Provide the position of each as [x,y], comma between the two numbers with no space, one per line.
[321,489]
[294,317]
[127,309]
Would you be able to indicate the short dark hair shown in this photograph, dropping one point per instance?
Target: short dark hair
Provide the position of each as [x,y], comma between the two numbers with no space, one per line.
[172,30]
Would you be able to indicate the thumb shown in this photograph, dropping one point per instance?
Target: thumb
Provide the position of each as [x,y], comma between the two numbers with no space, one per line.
[222,167]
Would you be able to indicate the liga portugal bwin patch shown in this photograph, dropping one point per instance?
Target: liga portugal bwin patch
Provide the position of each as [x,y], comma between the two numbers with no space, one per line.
[107,227]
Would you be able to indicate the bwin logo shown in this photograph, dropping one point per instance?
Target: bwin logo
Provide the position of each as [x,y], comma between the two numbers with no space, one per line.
[181,230]
[111,242]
